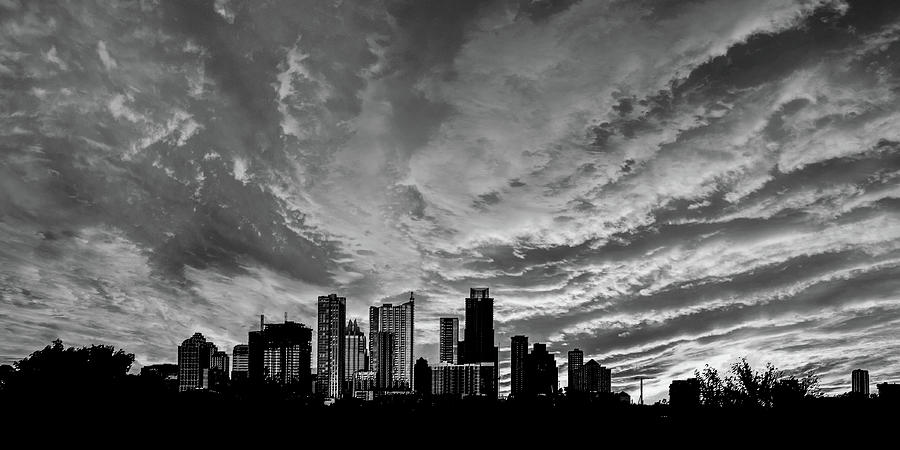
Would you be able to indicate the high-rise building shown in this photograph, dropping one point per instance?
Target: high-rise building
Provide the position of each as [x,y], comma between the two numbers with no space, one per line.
[463,380]
[356,351]
[194,356]
[605,380]
[422,377]
[449,340]
[383,355]
[240,362]
[684,393]
[332,316]
[400,321]
[279,353]
[590,376]
[596,378]
[859,380]
[219,361]
[478,345]
[541,375]
[575,366]
[518,351]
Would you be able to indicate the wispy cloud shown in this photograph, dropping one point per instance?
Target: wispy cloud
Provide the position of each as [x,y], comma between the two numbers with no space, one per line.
[662,184]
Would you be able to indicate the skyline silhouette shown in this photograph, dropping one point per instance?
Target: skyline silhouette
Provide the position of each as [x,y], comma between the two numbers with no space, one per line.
[658,184]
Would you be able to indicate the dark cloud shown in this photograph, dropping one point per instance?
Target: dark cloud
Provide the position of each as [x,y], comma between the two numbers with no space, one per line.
[661,184]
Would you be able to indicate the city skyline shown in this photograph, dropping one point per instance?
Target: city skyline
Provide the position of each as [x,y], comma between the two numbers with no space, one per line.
[660,184]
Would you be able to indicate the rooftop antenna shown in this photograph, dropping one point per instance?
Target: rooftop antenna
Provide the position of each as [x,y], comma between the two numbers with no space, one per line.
[262,322]
[285,317]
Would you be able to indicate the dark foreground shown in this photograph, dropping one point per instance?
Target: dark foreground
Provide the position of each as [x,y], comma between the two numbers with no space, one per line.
[192,420]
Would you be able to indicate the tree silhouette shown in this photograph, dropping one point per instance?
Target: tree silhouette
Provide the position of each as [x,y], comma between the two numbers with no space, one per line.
[745,387]
[56,371]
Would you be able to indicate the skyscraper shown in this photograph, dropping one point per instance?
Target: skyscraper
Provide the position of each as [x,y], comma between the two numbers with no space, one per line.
[332,312]
[194,356]
[575,365]
[449,340]
[541,375]
[590,376]
[518,351]
[463,380]
[596,378]
[859,380]
[383,355]
[356,351]
[478,346]
[240,362]
[422,377]
[280,353]
[219,361]
[400,321]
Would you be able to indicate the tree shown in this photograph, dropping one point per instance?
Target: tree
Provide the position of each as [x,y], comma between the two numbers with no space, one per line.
[747,388]
[59,371]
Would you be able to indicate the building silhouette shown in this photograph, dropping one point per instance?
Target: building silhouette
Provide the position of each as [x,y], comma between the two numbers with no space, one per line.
[422,377]
[364,383]
[575,366]
[478,346]
[541,375]
[332,316]
[383,356]
[684,393]
[167,374]
[279,353]
[220,361]
[194,358]
[240,362]
[859,381]
[596,378]
[464,380]
[400,321]
[518,352]
[449,340]
[888,392]
[356,352]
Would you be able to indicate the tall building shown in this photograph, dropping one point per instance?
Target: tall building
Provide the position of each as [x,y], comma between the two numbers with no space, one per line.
[194,356]
[684,393]
[384,357]
[332,316]
[478,345]
[575,365]
[859,379]
[541,375]
[279,353]
[449,340]
[422,377]
[400,321]
[518,351]
[591,374]
[356,351]
[240,362]
[219,361]
[463,380]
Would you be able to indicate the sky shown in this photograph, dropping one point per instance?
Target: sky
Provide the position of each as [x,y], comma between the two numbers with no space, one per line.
[662,184]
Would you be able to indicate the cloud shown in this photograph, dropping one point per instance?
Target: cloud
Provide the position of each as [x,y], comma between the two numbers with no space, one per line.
[108,62]
[662,184]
